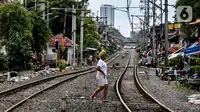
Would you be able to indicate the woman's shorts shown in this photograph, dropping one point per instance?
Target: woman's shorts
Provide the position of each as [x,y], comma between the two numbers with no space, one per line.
[102,82]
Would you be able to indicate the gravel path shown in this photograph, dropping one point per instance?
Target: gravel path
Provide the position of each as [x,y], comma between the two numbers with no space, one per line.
[175,99]
[78,91]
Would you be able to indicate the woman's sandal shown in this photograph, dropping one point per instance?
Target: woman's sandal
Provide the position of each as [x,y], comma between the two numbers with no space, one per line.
[91,99]
[104,101]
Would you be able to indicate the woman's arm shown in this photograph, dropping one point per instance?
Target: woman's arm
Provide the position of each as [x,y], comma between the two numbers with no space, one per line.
[99,69]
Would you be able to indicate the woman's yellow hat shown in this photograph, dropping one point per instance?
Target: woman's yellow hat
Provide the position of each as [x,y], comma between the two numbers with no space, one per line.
[103,52]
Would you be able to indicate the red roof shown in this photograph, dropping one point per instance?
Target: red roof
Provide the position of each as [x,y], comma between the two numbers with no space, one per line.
[59,37]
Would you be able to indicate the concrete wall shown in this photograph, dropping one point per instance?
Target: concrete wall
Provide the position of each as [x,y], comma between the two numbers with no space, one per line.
[52,56]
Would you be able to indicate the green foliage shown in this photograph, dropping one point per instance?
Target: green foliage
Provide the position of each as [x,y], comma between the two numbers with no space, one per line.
[19,53]
[90,34]
[16,33]
[196,68]
[3,62]
[57,25]
[195,4]
[61,66]
[174,61]
[41,33]
[111,49]
[21,33]
[198,61]
[186,87]
[194,61]
[14,18]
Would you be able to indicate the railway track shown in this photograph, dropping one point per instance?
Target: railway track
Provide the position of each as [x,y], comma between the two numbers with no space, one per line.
[21,94]
[132,94]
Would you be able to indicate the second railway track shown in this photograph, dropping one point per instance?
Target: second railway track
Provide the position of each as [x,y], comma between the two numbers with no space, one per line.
[132,95]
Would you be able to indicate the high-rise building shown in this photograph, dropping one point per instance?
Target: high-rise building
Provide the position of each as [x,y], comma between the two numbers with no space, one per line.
[107,14]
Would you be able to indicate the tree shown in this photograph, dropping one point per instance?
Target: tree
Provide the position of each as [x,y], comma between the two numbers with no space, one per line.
[19,53]
[91,35]
[41,33]
[16,35]
[57,24]
[14,18]
[3,62]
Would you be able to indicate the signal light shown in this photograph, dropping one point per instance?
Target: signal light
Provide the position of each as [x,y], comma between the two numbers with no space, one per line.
[56,45]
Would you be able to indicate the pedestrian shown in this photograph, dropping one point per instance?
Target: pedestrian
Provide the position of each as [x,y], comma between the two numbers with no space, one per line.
[101,77]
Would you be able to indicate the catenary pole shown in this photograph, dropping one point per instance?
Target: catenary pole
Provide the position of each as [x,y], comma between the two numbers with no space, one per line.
[81,36]
[166,31]
[154,18]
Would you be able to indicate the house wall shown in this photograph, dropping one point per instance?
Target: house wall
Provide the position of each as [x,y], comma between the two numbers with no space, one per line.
[52,56]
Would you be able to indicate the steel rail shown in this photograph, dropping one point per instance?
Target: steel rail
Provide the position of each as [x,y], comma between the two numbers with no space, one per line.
[118,84]
[56,84]
[33,95]
[37,82]
[139,85]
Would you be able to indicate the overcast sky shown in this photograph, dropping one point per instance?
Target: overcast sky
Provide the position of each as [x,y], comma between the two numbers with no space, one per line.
[121,18]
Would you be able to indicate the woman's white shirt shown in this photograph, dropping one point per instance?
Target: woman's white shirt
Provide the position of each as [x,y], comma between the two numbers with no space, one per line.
[103,67]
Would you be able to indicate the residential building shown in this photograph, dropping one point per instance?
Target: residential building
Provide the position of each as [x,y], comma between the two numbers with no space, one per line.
[51,54]
[107,14]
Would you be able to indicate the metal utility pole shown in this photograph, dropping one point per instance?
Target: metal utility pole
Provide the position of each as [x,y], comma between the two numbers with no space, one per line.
[145,24]
[166,31]
[43,8]
[35,4]
[25,3]
[154,33]
[47,14]
[132,27]
[161,17]
[81,36]
[74,34]
[64,27]
[47,22]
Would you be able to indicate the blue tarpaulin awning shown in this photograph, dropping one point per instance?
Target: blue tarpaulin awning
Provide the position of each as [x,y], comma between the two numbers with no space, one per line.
[193,50]
[193,45]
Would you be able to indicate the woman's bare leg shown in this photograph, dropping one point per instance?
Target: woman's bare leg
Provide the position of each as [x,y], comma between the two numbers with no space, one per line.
[105,91]
[96,91]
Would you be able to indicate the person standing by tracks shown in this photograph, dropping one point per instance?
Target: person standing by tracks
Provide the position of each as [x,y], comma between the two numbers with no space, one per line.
[101,77]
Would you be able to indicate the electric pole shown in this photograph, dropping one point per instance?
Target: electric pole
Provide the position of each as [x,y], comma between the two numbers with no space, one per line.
[74,34]
[81,36]
[35,4]
[47,13]
[166,31]
[25,4]
[154,33]
[43,8]
[146,24]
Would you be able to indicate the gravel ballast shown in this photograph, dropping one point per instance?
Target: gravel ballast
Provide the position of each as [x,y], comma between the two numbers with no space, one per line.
[36,76]
[131,95]
[174,98]
[78,92]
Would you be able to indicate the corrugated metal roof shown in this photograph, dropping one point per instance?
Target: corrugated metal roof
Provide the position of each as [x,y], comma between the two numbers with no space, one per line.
[59,37]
